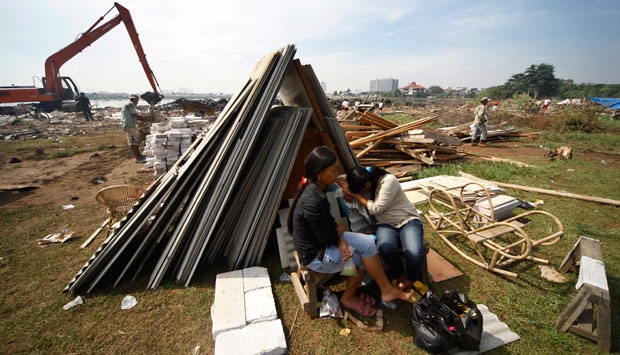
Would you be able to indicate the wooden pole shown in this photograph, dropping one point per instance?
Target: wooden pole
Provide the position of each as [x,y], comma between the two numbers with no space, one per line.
[605,201]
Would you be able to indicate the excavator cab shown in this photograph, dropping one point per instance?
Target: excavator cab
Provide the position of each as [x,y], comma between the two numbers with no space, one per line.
[69,93]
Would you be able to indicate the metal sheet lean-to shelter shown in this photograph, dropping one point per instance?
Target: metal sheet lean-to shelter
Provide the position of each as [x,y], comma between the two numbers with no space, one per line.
[221,197]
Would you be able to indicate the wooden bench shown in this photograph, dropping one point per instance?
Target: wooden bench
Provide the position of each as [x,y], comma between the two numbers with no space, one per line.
[593,295]
[306,283]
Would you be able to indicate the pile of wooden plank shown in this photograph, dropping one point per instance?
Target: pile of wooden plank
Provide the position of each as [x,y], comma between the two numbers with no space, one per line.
[398,148]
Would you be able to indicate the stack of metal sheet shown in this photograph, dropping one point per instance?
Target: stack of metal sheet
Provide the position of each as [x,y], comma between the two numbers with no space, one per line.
[221,197]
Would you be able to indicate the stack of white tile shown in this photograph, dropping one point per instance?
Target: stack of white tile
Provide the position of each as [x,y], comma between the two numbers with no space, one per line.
[168,141]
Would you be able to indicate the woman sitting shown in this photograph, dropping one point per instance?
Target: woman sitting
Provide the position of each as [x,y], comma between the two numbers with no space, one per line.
[324,246]
[398,221]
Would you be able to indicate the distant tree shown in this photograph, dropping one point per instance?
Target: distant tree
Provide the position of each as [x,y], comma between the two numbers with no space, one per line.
[434,90]
[396,93]
[496,93]
[536,81]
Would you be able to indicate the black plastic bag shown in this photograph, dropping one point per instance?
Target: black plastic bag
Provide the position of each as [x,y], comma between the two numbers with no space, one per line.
[466,318]
[442,324]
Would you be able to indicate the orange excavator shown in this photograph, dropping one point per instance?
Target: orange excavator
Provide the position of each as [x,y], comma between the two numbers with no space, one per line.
[57,89]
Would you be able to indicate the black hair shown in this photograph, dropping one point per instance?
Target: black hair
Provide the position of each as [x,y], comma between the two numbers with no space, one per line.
[358,176]
[319,159]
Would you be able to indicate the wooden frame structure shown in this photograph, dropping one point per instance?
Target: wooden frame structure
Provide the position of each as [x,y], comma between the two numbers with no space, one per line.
[306,282]
[491,244]
[592,299]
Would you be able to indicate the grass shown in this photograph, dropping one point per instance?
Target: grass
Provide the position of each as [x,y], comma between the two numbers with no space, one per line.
[174,319]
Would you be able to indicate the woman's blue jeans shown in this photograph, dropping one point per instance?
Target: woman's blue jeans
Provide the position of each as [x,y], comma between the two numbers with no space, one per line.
[410,236]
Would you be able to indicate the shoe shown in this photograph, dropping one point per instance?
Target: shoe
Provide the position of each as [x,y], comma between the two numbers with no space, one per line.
[473,144]
[141,160]
[363,309]
[367,298]
[415,297]
[420,288]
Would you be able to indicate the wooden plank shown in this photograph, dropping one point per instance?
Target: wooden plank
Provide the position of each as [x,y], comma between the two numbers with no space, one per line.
[410,140]
[368,149]
[95,234]
[493,232]
[415,154]
[442,138]
[605,201]
[372,119]
[393,131]
[440,269]
[358,127]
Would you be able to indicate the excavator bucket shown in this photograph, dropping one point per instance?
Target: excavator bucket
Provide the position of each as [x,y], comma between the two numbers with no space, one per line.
[151,97]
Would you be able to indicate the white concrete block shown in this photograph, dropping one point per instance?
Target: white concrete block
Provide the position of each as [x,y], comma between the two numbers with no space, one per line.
[228,309]
[260,338]
[255,278]
[260,306]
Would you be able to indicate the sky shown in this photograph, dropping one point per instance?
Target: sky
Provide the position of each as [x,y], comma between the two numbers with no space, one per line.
[212,46]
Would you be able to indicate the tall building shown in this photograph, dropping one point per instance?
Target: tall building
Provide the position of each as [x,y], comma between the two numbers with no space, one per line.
[382,85]
[324,86]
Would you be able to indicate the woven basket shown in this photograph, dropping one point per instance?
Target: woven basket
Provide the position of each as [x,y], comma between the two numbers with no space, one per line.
[119,198]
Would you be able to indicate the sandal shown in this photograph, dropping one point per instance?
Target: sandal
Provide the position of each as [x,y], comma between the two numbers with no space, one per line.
[363,309]
[367,298]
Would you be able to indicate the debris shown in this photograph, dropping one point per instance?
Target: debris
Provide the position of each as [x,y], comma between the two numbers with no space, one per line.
[525,205]
[562,152]
[98,180]
[345,332]
[68,207]
[329,304]
[285,277]
[78,300]
[15,160]
[550,274]
[128,302]
[59,237]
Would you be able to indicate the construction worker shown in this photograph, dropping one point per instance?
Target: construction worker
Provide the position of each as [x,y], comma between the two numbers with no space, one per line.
[480,123]
[129,120]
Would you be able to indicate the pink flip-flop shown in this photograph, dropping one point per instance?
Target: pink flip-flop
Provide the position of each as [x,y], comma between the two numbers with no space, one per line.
[363,309]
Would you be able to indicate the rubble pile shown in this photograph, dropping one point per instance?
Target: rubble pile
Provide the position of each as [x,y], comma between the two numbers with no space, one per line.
[397,148]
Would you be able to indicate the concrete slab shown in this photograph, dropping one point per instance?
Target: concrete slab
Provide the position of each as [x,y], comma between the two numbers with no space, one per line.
[228,309]
[260,306]
[259,338]
[255,278]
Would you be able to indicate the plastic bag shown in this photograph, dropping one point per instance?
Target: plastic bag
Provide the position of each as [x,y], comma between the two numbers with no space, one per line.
[441,324]
[349,265]
[329,304]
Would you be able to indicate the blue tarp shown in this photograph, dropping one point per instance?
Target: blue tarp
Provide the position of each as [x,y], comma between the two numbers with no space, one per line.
[610,102]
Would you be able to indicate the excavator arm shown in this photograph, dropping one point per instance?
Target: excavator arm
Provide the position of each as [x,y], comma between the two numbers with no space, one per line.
[53,82]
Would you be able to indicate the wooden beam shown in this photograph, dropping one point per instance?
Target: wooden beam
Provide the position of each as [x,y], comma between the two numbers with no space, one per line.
[605,201]
[393,131]
[416,154]
[370,147]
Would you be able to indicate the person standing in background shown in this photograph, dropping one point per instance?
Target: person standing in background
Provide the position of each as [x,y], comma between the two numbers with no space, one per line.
[480,123]
[85,106]
[129,120]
